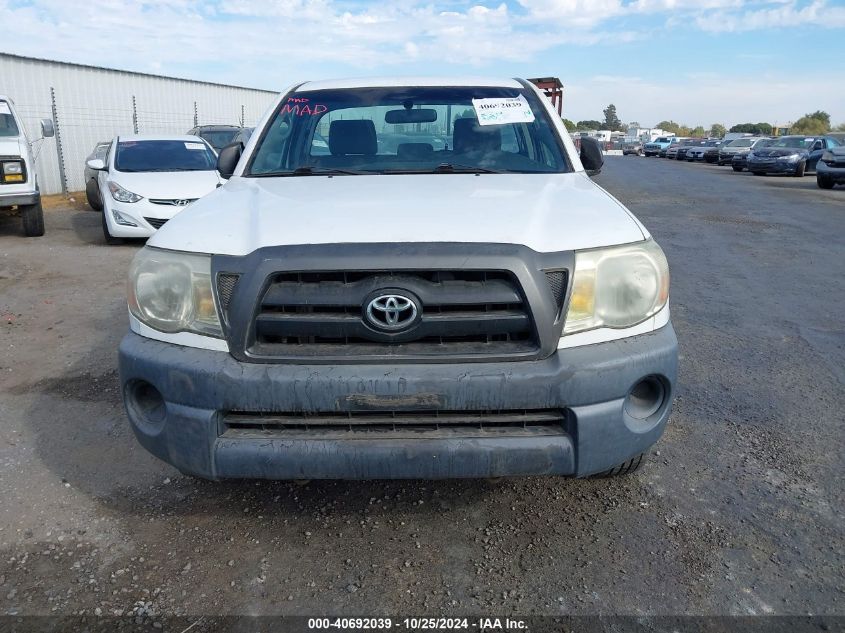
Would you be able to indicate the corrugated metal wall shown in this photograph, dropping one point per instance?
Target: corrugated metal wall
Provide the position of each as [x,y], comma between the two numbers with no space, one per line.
[94,104]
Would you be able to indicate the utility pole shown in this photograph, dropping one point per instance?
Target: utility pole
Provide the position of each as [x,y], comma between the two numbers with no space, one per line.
[196,115]
[134,115]
[59,150]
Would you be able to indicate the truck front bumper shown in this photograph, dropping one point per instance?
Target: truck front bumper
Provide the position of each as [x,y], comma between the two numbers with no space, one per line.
[178,400]
[17,199]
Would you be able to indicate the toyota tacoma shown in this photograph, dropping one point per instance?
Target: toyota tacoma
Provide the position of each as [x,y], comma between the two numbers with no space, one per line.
[463,303]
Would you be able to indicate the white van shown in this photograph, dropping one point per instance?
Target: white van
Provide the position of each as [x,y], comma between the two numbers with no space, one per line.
[18,181]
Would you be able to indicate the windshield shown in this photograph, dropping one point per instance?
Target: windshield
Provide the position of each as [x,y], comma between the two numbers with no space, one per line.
[409,130]
[741,142]
[792,141]
[8,127]
[219,139]
[164,156]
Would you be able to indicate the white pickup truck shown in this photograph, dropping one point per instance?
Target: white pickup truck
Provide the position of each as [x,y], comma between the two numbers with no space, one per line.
[18,180]
[402,278]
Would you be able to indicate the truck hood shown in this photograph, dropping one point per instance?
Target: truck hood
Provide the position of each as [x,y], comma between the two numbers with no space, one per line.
[10,146]
[546,212]
[167,184]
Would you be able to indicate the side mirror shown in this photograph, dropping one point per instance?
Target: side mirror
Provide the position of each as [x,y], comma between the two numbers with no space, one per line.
[591,156]
[47,129]
[228,159]
[96,164]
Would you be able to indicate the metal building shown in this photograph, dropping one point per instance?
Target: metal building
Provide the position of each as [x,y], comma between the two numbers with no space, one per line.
[90,104]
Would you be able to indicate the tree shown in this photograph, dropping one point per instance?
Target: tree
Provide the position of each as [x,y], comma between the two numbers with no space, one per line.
[669,126]
[763,129]
[816,123]
[611,120]
[634,124]
[569,125]
[839,128]
[697,131]
[717,130]
[590,124]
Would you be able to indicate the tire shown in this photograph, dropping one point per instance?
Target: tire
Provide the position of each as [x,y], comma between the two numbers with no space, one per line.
[737,168]
[33,219]
[824,183]
[92,192]
[111,240]
[801,169]
[625,468]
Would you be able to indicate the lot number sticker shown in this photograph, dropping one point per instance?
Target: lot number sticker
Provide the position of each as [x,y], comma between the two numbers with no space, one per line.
[4,108]
[194,146]
[499,111]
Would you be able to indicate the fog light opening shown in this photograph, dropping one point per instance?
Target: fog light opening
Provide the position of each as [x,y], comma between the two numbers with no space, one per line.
[645,398]
[147,402]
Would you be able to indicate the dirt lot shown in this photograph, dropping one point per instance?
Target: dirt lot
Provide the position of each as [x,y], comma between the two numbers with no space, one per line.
[740,510]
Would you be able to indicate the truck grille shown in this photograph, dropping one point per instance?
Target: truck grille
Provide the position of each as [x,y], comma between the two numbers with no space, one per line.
[460,311]
[243,424]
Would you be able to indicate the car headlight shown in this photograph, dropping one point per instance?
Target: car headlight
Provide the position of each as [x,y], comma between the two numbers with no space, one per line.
[828,157]
[789,159]
[123,195]
[13,171]
[617,287]
[171,291]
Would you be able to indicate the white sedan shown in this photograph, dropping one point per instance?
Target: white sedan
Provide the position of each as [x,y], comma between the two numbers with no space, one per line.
[146,180]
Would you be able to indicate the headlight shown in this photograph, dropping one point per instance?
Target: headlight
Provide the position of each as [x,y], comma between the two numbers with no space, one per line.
[13,171]
[122,195]
[789,159]
[171,292]
[828,157]
[617,287]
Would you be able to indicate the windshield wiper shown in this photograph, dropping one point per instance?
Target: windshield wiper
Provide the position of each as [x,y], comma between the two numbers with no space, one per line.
[450,168]
[311,171]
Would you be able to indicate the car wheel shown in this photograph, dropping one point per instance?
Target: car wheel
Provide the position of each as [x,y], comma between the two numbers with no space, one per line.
[624,468]
[33,219]
[824,183]
[737,167]
[92,192]
[111,240]
[801,169]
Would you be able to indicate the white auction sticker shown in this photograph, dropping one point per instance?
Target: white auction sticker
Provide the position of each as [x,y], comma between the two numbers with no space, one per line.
[4,108]
[194,146]
[499,111]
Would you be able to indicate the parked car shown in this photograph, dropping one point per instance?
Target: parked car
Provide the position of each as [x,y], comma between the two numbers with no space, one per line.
[745,144]
[635,148]
[243,135]
[658,145]
[144,181]
[675,147]
[348,316]
[794,155]
[18,179]
[92,187]
[711,154]
[740,159]
[699,152]
[686,147]
[218,136]
[830,170]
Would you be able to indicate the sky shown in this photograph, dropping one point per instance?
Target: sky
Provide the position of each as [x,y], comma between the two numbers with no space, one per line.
[696,62]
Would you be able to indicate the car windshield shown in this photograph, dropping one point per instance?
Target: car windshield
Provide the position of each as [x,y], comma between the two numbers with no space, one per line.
[8,127]
[741,142]
[793,141]
[219,139]
[409,130]
[164,156]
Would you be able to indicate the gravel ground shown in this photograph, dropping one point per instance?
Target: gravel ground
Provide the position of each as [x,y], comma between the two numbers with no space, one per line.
[739,510]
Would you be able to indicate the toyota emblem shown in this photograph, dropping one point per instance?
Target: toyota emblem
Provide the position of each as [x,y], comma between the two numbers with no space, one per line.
[392,312]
